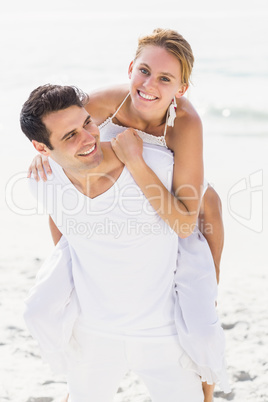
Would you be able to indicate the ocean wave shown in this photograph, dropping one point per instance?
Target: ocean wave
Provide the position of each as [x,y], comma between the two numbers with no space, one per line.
[238,113]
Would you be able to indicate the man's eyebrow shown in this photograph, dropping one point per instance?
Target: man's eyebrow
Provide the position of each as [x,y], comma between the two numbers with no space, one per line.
[67,134]
[74,130]
[163,73]
[87,119]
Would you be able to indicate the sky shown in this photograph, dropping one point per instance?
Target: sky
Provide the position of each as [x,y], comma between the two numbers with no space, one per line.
[148,8]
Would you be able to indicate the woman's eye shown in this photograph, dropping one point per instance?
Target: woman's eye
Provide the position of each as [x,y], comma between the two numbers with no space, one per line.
[165,79]
[144,71]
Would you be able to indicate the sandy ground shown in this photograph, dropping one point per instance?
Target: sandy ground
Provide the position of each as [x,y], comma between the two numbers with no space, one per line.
[243,296]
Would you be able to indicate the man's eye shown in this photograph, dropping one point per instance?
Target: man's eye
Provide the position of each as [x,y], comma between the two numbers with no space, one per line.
[87,123]
[70,136]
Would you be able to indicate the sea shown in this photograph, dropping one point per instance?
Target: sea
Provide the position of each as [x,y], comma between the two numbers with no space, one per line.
[90,45]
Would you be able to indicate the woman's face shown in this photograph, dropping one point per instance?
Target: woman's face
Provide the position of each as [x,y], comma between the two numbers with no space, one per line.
[155,78]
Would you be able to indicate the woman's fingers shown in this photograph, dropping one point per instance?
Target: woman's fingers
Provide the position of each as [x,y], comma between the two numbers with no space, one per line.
[39,168]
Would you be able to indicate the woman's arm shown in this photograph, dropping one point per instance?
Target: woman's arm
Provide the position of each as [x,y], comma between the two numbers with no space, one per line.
[39,167]
[185,139]
[103,102]
[180,210]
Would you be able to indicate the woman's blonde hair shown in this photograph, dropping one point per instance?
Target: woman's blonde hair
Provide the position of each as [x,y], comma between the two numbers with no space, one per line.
[175,44]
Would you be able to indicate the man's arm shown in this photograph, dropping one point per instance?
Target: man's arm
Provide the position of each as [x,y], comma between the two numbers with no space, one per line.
[55,233]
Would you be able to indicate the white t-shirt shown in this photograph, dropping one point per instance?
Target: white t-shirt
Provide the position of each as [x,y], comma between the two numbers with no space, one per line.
[123,254]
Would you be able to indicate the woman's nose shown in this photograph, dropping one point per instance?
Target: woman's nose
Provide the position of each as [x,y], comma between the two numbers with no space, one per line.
[150,82]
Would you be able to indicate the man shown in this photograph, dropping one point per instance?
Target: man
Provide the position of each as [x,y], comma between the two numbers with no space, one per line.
[123,255]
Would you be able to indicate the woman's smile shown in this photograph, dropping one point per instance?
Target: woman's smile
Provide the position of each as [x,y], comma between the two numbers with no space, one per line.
[147,96]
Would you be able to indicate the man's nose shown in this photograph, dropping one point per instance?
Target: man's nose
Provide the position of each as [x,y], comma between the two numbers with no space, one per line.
[88,135]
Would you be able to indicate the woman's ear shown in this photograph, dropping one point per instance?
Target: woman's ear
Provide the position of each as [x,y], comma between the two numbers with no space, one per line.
[130,69]
[181,91]
[41,148]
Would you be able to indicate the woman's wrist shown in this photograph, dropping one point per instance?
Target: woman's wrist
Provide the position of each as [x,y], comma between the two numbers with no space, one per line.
[136,165]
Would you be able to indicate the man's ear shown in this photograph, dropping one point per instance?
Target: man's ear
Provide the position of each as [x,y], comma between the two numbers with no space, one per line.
[181,91]
[41,148]
[130,69]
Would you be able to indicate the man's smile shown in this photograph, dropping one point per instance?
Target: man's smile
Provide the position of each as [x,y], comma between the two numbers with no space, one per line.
[88,152]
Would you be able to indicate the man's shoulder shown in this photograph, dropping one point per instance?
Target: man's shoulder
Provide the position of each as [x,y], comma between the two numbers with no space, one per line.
[112,162]
[157,153]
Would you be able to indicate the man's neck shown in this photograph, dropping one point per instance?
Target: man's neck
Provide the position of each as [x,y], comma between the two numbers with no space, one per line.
[96,181]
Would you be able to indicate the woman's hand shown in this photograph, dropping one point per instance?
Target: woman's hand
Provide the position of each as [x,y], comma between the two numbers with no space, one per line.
[39,167]
[128,147]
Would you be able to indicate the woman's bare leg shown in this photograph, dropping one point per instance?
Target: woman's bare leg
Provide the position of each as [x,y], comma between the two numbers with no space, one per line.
[208,391]
[211,226]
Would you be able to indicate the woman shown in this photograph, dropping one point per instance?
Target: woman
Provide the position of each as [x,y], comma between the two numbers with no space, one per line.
[155,106]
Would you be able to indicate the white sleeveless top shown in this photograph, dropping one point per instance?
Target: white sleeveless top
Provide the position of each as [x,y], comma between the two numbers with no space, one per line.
[109,130]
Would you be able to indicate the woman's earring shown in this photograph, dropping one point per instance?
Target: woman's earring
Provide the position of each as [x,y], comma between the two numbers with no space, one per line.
[171,114]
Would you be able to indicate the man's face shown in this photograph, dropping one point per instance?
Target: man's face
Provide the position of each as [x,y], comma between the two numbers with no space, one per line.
[75,139]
